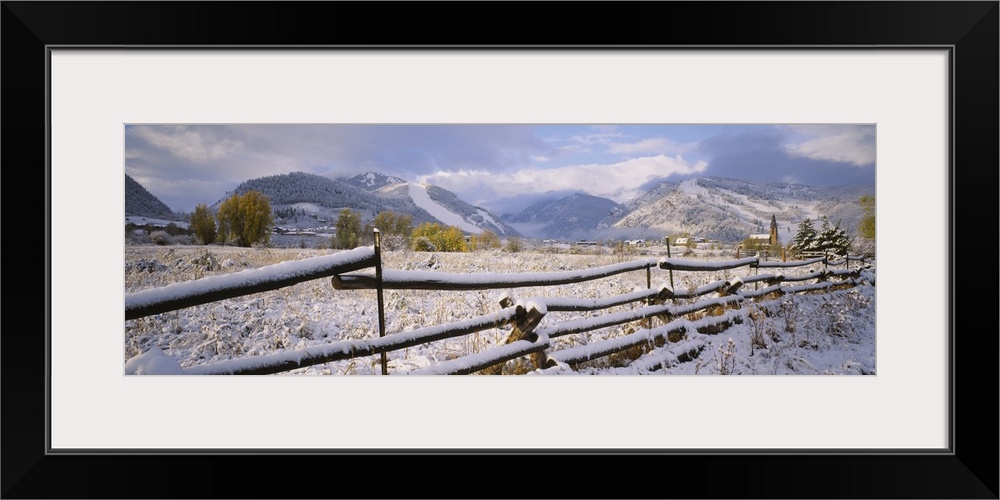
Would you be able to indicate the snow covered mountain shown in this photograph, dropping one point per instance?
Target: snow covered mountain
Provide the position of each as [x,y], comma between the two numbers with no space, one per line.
[313,199]
[573,217]
[448,208]
[730,210]
[140,202]
[727,210]
[371,181]
[316,200]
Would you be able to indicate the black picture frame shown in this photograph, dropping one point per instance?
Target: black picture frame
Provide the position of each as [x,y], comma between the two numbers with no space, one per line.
[970,28]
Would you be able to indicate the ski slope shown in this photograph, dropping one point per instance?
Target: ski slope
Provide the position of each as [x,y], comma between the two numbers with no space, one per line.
[418,193]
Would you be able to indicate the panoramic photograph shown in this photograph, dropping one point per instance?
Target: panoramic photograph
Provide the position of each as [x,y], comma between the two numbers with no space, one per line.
[499,249]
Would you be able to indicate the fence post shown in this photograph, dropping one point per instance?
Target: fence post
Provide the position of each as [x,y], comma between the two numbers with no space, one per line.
[378,292]
[649,282]
[671,271]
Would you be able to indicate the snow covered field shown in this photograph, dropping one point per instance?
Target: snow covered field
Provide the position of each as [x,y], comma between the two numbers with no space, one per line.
[805,334]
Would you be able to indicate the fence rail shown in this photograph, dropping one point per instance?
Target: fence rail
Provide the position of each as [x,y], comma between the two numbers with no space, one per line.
[431,280]
[227,286]
[527,336]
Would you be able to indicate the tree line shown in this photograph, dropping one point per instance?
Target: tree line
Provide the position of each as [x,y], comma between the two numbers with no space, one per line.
[833,239]
[246,219]
[397,232]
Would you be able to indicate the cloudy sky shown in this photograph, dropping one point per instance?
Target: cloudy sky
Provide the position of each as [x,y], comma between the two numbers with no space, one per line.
[498,167]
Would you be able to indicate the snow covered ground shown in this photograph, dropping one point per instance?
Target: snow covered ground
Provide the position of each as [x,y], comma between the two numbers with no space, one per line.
[139,220]
[801,334]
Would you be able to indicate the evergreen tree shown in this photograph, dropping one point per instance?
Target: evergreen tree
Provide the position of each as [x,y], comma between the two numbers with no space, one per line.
[832,239]
[805,236]
[841,242]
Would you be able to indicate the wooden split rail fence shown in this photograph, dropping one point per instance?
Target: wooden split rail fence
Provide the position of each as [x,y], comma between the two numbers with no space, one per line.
[528,336]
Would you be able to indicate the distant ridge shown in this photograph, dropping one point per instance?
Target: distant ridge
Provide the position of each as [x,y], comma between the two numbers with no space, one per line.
[371,181]
[728,210]
[140,202]
[575,216]
[319,197]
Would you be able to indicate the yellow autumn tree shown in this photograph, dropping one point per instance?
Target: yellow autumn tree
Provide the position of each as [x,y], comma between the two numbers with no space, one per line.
[433,237]
[245,219]
[484,241]
[203,224]
[396,229]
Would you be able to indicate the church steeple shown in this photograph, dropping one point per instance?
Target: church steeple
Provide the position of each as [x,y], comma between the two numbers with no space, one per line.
[774,230]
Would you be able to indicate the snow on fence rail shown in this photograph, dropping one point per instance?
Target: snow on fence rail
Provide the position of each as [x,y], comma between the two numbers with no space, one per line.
[526,338]
[595,350]
[267,278]
[337,351]
[431,280]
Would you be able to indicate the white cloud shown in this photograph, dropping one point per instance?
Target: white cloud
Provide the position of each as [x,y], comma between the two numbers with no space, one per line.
[604,136]
[617,181]
[852,144]
[651,145]
[190,144]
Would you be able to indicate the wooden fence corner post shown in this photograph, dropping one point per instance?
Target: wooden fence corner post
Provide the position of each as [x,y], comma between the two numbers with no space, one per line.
[378,292]
[506,302]
[524,325]
[661,298]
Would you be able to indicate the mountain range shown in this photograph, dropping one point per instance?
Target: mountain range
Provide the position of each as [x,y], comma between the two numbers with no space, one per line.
[717,208]
[370,193]
[140,202]
[574,217]
[730,209]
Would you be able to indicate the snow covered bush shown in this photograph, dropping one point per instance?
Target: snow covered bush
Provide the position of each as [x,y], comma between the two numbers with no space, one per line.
[161,238]
[514,244]
[423,244]
[725,357]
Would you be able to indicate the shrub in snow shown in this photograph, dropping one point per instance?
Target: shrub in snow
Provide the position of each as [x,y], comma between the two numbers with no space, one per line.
[137,237]
[423,244]
[725,357]
[145,265]
[208,262]
[758,327]
[514,245]
[161,238]
[393,242]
